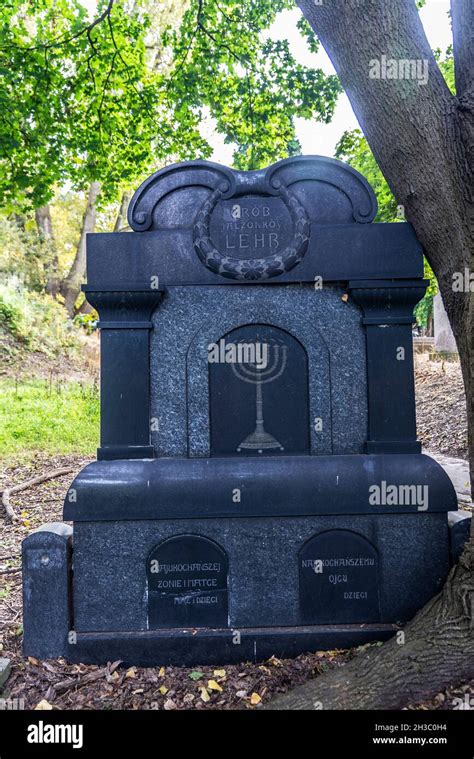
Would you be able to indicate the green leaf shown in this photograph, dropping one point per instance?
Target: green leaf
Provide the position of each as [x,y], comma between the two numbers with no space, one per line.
[196,675]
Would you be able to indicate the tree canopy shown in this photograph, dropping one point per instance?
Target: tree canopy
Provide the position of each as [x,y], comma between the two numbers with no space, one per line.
[110,98]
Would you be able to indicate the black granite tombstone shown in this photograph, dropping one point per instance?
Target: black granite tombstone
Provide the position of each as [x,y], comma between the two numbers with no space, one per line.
[259,487]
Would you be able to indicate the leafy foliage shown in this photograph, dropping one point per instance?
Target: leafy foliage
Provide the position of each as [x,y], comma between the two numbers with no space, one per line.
[78,101]
[34,320]
[354,148]
[253,86]
[20,253]
[111,98]
[446,66]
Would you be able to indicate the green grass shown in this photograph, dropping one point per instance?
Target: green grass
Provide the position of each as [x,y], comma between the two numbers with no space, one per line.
[36,415]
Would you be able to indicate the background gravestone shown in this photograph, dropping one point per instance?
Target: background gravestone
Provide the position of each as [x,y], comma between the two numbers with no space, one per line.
[221,486]
[444,340]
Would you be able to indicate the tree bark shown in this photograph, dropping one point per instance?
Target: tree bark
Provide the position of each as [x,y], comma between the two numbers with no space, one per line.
[44,226]
[84,308]
[20,221]
[423,140]
[122,213]
[72,284]
[437,651]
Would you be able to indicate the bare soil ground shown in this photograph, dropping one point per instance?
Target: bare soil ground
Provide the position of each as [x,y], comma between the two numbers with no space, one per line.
[441,407]
[56,684]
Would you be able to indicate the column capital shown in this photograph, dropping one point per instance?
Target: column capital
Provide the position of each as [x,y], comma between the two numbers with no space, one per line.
[387,301]
[129,308]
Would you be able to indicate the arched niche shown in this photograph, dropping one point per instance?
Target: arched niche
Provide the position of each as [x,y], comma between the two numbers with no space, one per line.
[258,393]
[187,578]
[339,579]
[328,328]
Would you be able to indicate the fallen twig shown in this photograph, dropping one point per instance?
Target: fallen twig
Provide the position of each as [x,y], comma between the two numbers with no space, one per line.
[77,682]
[9,510]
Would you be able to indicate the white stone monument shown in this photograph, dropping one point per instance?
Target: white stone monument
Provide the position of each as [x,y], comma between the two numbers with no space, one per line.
[444,341]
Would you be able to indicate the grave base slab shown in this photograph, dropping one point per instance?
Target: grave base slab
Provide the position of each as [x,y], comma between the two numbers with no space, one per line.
[193,647]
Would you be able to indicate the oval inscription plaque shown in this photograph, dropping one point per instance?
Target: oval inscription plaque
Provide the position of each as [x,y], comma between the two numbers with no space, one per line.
[187,583]
[339,580]
[251,237]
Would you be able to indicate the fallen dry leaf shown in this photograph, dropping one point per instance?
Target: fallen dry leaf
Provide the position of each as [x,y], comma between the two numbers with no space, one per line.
[212,685]
[273,660]
[43,706]
[204,693]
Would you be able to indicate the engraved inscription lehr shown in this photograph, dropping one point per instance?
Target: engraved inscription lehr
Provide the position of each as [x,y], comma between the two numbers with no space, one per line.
[251,227]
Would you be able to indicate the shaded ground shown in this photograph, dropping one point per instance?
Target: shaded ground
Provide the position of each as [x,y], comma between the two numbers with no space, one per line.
[59,685]
[441,407]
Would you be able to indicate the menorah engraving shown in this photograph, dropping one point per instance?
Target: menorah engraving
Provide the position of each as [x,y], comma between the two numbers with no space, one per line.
[260,440]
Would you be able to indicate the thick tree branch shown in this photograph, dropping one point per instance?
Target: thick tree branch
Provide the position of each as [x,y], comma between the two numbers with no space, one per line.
[416,128]
[435,650]
[44,225]
[71,286]
[462,16]
[403,119]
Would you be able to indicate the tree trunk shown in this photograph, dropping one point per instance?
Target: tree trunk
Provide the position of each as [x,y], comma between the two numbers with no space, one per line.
[437,651]
[423,140]
[44,226]
[71,286]
[122,213]
[20,221]
[84,308]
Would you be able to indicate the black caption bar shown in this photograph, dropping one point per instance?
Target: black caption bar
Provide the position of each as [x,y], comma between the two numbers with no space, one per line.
[384,733]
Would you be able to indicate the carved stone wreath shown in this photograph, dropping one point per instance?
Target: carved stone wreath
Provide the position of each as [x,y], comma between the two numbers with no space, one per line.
[251,268]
